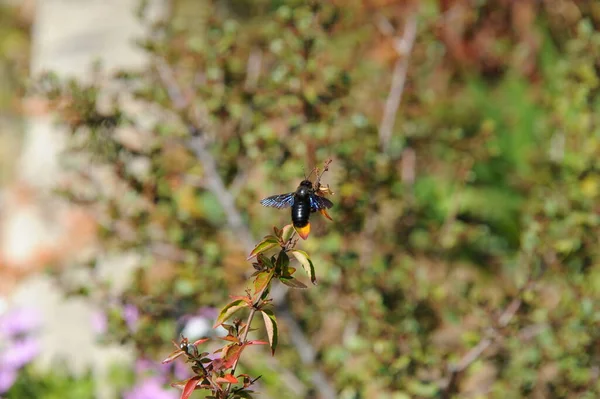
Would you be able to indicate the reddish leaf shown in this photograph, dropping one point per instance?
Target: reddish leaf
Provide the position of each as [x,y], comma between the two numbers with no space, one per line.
[231,338]
[229,310]
[277,232]
[179,384]
[256,342]
[228,378]
[230,355]
[189,387]
[271,327]
[292,282]
[174,355]
[306,263]
[242,297]
[201,341]
[267,243]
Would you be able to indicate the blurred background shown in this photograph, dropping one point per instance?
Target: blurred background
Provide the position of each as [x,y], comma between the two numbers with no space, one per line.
[138,137]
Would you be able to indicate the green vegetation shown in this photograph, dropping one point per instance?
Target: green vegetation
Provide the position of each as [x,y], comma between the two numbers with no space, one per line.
[463,256]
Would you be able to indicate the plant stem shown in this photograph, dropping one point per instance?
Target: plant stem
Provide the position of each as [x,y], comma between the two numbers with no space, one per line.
[244,336]
[246,331]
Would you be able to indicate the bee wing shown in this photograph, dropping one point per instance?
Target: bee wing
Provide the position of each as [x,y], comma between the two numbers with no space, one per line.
[317,202]
[279,201]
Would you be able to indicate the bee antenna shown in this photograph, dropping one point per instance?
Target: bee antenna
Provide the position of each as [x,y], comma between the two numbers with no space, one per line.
[311,172]
[325,169]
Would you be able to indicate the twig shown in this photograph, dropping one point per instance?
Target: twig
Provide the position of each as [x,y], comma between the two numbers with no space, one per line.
[253,69]
[244,336]
[307,355]
[490,337]
[217,187]
[403,46]
[197,144]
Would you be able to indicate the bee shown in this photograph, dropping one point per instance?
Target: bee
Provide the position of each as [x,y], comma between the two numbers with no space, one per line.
[305,200]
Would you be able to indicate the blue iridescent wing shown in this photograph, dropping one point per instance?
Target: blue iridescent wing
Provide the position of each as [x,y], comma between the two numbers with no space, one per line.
[279,201]
[317,202]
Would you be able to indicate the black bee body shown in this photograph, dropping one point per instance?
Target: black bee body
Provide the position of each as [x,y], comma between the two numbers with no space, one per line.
[303,201]
[301,208]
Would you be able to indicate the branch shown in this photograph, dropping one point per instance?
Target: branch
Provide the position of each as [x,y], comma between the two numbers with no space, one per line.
[490,337]
[403,46]
[307,355]
[217,187]
[197,144]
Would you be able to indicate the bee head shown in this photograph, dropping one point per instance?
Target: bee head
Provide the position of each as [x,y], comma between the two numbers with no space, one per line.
[304,188]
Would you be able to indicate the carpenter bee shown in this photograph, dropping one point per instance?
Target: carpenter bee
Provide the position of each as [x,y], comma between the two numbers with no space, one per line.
[305,200]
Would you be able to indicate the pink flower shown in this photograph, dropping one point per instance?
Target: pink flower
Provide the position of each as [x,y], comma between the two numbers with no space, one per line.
[131,315]
[99,322]
[7,379]
[150,388]
[19,321]
[19,353]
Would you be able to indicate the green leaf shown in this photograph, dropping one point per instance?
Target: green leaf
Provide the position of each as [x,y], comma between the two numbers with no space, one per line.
[282,262]
[243,395]
[229,310]
[306,263]
[261,281]
[267,243]
[271,327]
[287,232]
[264,261]
[292,282]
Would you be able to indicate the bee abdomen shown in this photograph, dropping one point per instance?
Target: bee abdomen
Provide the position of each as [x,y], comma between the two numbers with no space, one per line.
[301,212]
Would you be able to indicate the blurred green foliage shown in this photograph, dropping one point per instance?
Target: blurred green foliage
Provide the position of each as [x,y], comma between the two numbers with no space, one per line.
[54,385]
[495,237]
[14,67]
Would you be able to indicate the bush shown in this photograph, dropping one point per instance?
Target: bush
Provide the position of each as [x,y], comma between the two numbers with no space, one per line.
[462,260]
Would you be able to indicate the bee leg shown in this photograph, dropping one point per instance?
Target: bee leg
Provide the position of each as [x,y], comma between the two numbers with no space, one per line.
[324,213]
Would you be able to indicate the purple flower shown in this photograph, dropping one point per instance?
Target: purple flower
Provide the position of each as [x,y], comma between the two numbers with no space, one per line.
[208,312]
[144,365]
[131,315]
[17,349]
[150,388]
[7,379]
[99,322]
[19,321]
[19,353]
[182,370]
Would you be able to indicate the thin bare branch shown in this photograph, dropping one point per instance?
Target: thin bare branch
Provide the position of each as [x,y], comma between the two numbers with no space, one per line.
[253,69]
[490,337]
[403,46]
[307,354]
[197,144]
[217,187]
